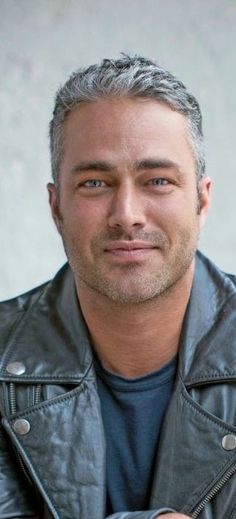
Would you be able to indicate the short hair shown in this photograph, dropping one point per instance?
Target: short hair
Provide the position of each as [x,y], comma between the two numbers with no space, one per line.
[128,76]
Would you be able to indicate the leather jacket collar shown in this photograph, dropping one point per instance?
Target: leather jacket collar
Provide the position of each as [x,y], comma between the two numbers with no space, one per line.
[54,322]
[51,339]
[209,325]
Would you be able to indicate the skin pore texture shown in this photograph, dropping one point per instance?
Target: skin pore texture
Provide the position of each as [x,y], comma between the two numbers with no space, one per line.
[129,213]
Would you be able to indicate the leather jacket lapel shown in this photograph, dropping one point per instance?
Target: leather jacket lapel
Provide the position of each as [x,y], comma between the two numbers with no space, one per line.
[191,458]
[66,444]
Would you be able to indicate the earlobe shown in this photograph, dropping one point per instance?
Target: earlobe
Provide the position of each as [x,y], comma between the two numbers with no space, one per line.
[204,199]
[54,204]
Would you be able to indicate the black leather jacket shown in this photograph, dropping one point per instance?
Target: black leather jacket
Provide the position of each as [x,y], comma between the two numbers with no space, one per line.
[57,467]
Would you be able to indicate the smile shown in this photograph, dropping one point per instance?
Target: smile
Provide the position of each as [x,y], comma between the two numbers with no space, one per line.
[129,251]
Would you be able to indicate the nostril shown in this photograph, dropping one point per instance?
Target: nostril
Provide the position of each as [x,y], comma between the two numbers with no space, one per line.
[126,219]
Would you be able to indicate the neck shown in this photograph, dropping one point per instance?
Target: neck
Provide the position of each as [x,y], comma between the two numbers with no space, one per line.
[136,339]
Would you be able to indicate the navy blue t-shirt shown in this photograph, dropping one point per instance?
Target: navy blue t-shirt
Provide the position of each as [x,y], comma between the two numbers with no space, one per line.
[132,411]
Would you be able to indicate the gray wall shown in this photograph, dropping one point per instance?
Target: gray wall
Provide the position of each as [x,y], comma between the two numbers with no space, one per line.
[41,42]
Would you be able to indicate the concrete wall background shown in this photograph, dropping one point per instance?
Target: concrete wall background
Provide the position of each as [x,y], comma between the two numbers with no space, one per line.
[41,42]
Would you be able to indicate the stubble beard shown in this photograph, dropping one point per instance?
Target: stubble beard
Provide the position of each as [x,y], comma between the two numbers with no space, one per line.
[133,283]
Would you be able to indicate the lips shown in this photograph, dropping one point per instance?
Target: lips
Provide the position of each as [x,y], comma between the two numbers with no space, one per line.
[128,246]
[129,252]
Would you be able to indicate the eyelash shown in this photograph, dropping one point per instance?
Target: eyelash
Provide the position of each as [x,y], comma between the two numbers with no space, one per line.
[157,181]
[92,181]
[160,181]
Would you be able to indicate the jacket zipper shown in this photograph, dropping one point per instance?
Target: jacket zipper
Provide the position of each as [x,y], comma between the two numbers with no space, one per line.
[37,394]
[12,404]
[12,398]
[217,487]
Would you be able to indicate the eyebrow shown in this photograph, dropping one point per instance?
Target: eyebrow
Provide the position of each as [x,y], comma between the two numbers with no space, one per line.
[149,164]
[157,164]
[97,165]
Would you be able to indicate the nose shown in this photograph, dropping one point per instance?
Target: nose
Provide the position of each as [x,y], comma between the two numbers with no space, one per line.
[127,209]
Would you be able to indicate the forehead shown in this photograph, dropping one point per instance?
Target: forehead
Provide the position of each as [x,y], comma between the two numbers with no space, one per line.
[125,127]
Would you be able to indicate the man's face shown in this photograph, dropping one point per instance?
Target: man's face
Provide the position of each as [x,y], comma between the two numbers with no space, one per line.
[128,209]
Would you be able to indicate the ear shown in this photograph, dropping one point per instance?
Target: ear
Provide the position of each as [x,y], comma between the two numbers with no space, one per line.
[204,190]
[53,197]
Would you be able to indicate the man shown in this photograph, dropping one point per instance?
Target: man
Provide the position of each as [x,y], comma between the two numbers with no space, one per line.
[118,377]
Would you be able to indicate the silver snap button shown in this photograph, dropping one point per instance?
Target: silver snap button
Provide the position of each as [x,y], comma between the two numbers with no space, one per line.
[16,368]
[229,442]
[21,426]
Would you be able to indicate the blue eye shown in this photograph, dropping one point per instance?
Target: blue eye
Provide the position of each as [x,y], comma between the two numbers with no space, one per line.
[93,183]
[159,181]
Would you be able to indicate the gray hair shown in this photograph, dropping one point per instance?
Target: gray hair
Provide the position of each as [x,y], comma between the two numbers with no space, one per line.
[131,77]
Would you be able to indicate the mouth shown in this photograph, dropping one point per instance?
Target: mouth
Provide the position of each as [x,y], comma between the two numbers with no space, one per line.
[129,250]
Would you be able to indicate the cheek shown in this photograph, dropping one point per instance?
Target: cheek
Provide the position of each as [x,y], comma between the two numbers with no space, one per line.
[176,216]
[83,218]
[168,210]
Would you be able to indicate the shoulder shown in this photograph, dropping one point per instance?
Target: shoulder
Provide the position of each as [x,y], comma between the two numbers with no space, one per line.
[12,311]
[21,302]
[220,279]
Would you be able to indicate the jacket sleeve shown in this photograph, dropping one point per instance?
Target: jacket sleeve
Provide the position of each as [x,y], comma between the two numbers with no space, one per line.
[149,514]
